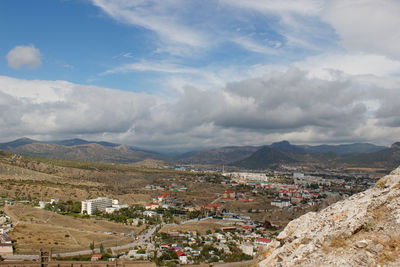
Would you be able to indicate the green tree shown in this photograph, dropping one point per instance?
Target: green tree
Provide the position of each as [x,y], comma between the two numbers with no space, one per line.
[92,246]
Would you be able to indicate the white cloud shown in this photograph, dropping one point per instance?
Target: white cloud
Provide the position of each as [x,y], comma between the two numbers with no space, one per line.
[324,65]
[305,7]
[151,66]
[24,55]
[157,16]
[253,46]
[368,26]
[278,105]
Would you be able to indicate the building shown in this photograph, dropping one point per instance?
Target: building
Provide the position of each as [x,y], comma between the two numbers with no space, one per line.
[6,246]
[182,257]
[213,207]
[263,241]
[42,204]
[245,176]
[100,203]
[247,249]
[115,207]
[163,197]
[152,206]
[149,213]
[96,257]
[229,194]
[281,203]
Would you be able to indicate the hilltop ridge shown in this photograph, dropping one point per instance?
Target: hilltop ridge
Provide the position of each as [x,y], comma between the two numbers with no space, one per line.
[363,230]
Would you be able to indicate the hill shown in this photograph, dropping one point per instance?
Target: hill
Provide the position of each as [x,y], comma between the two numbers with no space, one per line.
[266,157]
[389,157]
[342,149]
[246,156]
[217,156]
[363,230]
[78,149]
[286,153]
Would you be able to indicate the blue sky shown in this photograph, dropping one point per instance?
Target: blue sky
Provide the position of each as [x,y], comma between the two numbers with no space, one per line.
[197,74]
[80,41]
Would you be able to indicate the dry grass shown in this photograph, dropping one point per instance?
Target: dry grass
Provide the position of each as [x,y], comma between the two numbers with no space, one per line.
[43,229]
[382,182]
[334,242]
[390,252]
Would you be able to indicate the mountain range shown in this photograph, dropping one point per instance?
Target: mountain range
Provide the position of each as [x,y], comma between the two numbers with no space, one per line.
[247,157]
[79,149]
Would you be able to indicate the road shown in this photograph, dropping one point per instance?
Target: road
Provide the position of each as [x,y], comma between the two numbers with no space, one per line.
[142,239]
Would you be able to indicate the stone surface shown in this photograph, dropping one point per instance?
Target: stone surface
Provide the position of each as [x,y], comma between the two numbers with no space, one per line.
[363,230]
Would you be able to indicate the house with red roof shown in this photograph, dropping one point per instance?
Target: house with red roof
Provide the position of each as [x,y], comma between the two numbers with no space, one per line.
[263,241]
[229,194]
[96,257]
[152,206]
[213,207]
[163,197]
[182,257]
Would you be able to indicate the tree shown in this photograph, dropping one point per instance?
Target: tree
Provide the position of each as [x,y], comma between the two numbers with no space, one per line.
[101,249]
[92,246]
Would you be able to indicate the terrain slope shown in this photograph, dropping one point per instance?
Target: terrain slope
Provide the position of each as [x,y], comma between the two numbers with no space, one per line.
[363,230]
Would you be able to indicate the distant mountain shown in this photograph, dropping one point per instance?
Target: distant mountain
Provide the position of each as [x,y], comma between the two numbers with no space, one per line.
[389,157]
[286,153]
[77,141]
[78,149]
[266,157]
[286,146]
[236,155]
[338,149]
[250,157]
[17,143]
[217,156]
[344,149]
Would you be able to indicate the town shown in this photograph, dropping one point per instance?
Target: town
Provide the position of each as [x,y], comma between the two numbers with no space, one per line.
[176,228]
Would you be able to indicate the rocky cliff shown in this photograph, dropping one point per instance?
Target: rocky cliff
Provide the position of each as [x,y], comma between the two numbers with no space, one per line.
[363,230]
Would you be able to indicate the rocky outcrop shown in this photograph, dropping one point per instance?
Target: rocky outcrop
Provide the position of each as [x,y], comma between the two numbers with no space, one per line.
[363,230]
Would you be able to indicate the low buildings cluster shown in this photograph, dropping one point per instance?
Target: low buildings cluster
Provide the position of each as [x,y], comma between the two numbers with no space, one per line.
[6,246]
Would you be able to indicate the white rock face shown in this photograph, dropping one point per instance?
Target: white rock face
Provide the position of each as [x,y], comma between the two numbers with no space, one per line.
[363,230]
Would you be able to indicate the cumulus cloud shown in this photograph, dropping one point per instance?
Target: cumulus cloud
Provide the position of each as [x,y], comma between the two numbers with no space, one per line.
[351,64]
[366,25]
[21,56]
[279,105]
[62,108]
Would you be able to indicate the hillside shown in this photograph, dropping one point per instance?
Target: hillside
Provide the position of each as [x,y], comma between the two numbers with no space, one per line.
[217,156]
[266,157]
[389,157]
[252,157]
[363,230]
[286,153]
[247,157]
[78,149]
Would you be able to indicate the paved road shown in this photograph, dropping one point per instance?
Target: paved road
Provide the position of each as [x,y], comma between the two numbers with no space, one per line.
[142,239]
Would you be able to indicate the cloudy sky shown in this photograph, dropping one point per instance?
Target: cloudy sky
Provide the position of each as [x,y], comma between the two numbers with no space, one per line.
[185,74]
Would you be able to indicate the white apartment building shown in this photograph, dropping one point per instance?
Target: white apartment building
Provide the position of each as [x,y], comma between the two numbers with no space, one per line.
[252,176]
[100,203]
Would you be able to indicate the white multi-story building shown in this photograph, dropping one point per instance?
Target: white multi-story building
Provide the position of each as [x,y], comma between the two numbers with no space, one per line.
[281,203]
[100,203]
[252,176]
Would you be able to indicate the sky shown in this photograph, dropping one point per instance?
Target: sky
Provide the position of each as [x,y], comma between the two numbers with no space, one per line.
[178,75]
